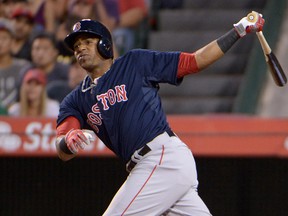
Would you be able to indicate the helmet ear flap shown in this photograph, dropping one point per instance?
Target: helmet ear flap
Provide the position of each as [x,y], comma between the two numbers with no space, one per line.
[105,48]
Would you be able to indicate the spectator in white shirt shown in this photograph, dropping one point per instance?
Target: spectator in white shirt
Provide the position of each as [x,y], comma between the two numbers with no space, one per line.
[33,97]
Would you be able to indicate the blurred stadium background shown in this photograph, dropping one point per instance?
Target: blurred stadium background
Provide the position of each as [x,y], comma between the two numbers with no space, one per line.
[232,116]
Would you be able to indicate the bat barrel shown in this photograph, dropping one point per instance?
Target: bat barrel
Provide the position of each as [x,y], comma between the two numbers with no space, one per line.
[273,64]
[276,70]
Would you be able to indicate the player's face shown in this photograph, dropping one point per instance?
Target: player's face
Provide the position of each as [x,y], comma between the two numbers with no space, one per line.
[86,53]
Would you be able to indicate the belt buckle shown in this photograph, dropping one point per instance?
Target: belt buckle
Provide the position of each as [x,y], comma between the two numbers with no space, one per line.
[130,165]
[143,151]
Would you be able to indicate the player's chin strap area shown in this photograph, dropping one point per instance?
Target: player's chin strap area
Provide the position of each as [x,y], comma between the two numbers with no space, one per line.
[87,84]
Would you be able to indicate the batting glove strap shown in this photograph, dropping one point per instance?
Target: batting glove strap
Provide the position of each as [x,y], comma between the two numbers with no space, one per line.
[253,22]
[63,147]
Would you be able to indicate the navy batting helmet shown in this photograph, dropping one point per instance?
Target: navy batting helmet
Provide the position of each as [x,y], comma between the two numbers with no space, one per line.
[95,28]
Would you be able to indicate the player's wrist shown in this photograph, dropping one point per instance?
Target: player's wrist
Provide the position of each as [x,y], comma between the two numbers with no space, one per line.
[226,41]
[240,27]
[63,147]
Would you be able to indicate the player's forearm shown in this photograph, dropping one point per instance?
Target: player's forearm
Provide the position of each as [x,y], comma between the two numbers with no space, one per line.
[216,49]
[194,62]
[207,55]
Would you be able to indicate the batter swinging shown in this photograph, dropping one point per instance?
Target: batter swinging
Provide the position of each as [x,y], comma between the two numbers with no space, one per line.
[119,102]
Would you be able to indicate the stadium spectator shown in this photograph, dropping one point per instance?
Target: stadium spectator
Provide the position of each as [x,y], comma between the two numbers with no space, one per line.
[76,74]
[82,8]
[63,29]
[122,17]
[23,23]
[131,14]
[48,13]
[33,97]
[58,89]
[10,66]
[8,6]
[44,53]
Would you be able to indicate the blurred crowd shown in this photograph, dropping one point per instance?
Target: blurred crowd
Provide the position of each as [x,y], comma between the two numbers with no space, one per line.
[37,70]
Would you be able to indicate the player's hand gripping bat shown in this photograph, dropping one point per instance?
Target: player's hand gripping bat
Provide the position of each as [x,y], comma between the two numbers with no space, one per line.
[271,60]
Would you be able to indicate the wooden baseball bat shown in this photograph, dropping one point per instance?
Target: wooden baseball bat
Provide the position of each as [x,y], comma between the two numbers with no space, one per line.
[272,61]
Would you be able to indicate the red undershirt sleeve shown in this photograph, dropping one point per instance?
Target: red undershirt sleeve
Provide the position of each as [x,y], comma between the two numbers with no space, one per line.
[69,123]
[187,64]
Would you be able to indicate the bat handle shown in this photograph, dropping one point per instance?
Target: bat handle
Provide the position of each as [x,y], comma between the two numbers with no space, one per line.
[264,44]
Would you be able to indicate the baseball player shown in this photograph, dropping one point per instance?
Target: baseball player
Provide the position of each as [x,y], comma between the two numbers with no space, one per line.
[118,101]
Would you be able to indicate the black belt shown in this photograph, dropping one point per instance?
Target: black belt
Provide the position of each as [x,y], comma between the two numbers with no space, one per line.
[131,164]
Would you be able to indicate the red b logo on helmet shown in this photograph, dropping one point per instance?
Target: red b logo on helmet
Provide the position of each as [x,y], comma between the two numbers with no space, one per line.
[77,27]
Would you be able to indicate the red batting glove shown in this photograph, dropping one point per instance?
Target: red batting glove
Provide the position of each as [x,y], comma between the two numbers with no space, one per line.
[253,22]
[257,26]
[75,140]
